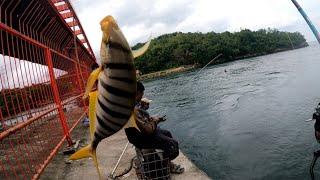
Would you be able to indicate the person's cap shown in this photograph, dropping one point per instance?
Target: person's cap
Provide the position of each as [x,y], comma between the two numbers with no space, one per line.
[146,100]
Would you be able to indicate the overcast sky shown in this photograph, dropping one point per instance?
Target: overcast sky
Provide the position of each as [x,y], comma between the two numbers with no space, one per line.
[140,18]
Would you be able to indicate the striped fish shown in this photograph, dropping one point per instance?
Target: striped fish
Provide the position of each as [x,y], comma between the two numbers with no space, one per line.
[116,87]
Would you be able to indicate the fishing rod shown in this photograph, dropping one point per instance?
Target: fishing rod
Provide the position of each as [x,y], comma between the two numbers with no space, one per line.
[308,120]
[306,18]
[117,164]
[316,154]
[190,80]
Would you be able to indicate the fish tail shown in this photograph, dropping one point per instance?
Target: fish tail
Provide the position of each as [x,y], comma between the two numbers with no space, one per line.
[86,152]
[82,153]
[96,164]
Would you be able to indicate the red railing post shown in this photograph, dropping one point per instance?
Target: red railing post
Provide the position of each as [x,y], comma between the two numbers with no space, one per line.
[57,97]
[80,82]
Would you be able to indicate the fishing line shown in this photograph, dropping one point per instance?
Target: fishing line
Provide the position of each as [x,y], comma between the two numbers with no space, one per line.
[125,148]
[189,81]
[117,164]
[290,40]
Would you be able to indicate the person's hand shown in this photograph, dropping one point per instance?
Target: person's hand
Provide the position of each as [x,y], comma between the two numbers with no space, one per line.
[163,118]
[158,119]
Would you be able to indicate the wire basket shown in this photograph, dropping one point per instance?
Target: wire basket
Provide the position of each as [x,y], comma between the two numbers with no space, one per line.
[150,164]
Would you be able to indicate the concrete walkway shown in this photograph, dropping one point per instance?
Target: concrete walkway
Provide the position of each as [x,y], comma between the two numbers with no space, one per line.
[108,153]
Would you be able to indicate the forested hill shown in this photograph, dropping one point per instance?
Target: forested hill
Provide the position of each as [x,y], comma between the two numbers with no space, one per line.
[176,49]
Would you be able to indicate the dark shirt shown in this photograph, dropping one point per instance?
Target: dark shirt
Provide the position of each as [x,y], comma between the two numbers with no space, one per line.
[316,116]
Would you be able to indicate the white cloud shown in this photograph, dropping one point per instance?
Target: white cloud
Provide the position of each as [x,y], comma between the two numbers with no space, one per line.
[139,18]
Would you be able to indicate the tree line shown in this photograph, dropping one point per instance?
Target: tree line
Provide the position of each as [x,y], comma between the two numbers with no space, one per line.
[177,49]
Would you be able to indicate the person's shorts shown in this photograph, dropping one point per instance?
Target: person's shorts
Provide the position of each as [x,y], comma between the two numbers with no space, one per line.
[317,136]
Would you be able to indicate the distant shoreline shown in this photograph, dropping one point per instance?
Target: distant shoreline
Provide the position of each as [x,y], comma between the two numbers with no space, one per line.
[166,72]
[265,53]
[185,68]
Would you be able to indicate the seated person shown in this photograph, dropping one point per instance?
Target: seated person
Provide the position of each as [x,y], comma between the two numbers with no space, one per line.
[145,103]
[316,116]
[149,136]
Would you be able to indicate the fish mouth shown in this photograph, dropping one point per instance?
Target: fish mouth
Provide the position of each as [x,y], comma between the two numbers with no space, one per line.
[107,24]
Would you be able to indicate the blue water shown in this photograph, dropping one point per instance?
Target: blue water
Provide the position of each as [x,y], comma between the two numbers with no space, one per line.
[248,122]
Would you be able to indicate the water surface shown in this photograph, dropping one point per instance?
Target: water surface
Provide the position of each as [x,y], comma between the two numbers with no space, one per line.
[248,122]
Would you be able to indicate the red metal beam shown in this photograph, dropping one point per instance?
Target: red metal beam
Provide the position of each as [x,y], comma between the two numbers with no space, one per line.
[56,96]
[66,57]
[57,1]
[90,53]
[62,7]
[70,8]
[22,36]
[85,36]
[72,99]
[83,40]
[66,15]
[72,23]
[77,32]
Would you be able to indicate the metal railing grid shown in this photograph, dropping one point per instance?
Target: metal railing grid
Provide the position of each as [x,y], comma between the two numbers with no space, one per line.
[43,69]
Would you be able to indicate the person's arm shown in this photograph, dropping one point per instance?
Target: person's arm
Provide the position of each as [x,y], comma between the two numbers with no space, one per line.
[158,119]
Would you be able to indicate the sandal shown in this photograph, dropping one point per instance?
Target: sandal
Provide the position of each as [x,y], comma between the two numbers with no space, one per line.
[176,169]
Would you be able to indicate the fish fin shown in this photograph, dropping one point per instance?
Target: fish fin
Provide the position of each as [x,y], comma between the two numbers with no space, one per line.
[91,80]
[132,121]
[142,50]
[96,164]
[82,153]
[93,97]
[85,153]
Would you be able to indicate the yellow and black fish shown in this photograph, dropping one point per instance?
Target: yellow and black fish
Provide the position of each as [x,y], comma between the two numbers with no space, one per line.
[112,106]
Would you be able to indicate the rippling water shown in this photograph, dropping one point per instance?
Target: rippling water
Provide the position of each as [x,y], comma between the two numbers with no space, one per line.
[248,122]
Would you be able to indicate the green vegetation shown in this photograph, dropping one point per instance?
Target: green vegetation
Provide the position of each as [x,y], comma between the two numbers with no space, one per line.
[176,49]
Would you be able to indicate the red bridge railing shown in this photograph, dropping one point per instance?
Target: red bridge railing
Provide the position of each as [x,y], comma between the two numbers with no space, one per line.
[43,68]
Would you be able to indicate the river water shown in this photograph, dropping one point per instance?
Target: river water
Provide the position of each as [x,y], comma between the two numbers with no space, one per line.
[248,122]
